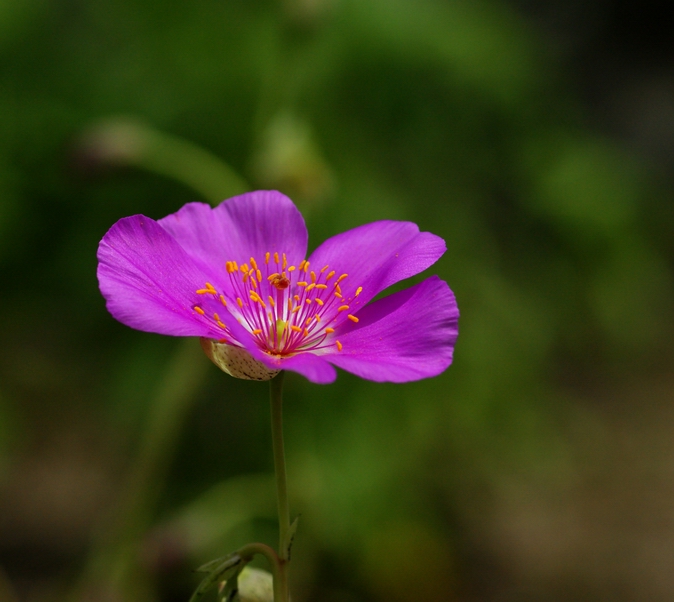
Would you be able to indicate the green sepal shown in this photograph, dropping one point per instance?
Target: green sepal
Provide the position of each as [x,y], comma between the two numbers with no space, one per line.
[230,591]
[225,568]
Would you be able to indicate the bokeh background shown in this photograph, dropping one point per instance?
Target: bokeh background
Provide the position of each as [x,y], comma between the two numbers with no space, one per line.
[537,138]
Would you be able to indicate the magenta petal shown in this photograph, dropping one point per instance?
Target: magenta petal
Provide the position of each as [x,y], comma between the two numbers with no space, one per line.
[149,281]
[377,255]
[311,366]
[403,337]
[242,227]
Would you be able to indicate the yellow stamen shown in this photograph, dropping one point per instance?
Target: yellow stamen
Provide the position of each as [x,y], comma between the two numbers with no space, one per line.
[302,263]
[313,276]
[338,295]
[255,297]
[258,273]
[317,318]
[290,304]
[325,267]
[342,308]
[295,328]
[297,298]
[338,288]
[285,261]
[271,301]
[319,301]
[329,330]
[306,267]
[266,257]
[322,286]
[294,311]
[199,310]
[307,301]
[292,268]
[306,332]
[216,317]
[239,302]
[339,345]
[359,290]
[253,263]
[221,324]
[257,331]
[276,258]
[330,275]
[352,318]
[209,289]
[274,275]
[302,283]
[244,268]
[223,301]
[312,285]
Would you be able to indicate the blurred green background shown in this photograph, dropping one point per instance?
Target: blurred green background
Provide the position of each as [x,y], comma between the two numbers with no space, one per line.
[536,138]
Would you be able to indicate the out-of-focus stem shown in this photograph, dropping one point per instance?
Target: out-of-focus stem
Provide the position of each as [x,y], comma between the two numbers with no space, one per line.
[115,555]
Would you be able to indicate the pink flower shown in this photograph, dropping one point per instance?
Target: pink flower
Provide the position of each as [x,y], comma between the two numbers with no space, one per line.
[237,276]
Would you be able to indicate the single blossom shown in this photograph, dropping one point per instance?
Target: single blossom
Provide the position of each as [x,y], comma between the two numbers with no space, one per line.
[238,277]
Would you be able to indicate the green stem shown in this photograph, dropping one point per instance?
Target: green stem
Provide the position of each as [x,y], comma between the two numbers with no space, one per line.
[276,397]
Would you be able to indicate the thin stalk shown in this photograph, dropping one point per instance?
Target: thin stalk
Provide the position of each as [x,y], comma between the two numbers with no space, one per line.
[276,398]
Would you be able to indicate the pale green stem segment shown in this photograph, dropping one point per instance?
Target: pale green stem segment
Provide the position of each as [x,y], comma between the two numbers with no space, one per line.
[276,398]
[188,163]
[127,141]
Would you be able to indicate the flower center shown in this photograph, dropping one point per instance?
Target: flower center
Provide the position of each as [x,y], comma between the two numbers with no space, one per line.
[287,309]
